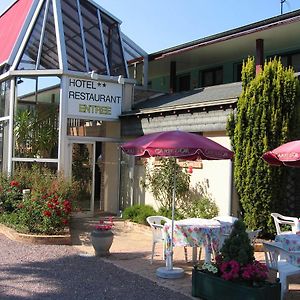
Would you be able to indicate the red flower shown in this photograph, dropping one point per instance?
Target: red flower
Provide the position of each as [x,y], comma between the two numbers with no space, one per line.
[50,205]
[65,221]
[47,213]
[14,183]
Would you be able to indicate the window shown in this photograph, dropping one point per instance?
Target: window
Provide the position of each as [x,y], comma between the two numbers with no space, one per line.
[238,72]
[290,60]
[212,76]
[36,118]
[184,83]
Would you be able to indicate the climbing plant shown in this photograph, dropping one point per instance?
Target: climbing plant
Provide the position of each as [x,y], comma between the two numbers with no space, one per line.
[266,117]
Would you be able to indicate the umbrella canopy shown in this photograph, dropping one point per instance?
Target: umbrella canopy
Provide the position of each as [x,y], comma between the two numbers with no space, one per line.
[178,144]
[287,154]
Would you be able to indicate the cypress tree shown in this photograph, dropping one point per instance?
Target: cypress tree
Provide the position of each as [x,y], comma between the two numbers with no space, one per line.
[266,117]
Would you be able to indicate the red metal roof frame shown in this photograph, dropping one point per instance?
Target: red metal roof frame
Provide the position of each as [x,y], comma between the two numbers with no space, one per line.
[11,23]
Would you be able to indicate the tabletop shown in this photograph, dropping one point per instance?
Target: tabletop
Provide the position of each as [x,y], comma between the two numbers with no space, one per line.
[197,232]
[290,243]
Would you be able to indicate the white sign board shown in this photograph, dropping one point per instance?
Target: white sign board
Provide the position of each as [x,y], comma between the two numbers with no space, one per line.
[93,100]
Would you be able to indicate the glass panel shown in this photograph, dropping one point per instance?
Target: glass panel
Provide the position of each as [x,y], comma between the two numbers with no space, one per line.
[4,98]
[284,60]
[113,45]
[49,56]
[28,60]
[49,165]
[207,78]
[74,48]
[82,171]
[219,76]
[92,37]
[3,142]
[77,127]
[36,118]
[296,62]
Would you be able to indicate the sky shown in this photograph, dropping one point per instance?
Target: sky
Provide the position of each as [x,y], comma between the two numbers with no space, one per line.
[159,24]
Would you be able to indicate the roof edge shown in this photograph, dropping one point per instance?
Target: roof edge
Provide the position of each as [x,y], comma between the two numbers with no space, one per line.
[239,30]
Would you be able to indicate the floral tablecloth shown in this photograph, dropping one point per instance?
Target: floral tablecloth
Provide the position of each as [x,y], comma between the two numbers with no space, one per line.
[198,232]
[290,242]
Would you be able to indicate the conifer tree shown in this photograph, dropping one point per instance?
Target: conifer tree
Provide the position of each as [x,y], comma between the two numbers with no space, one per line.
[266,117]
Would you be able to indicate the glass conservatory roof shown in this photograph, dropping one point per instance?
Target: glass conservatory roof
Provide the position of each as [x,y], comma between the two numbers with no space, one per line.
[74,35]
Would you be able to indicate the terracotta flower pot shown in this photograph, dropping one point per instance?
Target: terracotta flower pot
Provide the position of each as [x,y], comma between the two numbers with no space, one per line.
[102,241]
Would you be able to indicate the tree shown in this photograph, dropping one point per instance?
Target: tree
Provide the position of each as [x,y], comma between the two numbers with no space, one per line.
[266,117]
[160,182]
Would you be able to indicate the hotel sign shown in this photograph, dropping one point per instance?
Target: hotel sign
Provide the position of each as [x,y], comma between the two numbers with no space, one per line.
[93,100]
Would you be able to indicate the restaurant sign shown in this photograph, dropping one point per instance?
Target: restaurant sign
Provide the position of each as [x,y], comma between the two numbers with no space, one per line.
[93,100]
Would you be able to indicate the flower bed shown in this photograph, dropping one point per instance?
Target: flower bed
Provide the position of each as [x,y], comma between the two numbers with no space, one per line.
[40,239]
[235,274]
[208,286]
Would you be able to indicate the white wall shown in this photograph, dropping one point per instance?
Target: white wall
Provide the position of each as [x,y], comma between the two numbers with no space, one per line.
[216,173]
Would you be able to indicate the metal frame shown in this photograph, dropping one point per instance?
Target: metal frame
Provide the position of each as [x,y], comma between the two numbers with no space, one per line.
[82,36]
[103,42]
[91,142]
[38,59]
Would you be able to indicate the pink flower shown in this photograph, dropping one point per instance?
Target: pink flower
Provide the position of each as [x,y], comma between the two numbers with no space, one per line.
[230,270]
[103,226]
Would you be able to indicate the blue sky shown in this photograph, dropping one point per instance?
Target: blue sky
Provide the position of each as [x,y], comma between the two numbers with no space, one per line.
[158,24]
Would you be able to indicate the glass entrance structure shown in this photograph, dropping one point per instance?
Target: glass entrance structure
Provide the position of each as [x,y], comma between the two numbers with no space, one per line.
[63,84]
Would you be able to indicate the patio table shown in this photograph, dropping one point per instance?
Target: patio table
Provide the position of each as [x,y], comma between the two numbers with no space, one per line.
[197,232]
[290,243]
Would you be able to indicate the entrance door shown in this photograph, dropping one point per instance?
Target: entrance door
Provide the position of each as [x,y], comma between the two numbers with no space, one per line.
[83,171]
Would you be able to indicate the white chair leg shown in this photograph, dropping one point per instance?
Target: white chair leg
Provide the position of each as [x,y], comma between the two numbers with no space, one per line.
[152,255]
[283,281]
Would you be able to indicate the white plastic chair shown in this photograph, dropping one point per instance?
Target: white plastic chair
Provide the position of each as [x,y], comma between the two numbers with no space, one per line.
[253,235]
[227,219]
[156,224]
[282,220]
[274,260]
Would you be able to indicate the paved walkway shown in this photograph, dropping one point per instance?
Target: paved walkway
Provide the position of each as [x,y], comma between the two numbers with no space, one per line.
[131,250]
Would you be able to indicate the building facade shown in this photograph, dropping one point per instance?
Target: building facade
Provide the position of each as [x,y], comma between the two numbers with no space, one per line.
[73,87]
[64,83]
[195,86]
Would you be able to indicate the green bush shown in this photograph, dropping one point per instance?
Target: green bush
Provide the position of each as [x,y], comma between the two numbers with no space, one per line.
[237,246]
[46,209]
[198,203]
[168,213]
[138,213]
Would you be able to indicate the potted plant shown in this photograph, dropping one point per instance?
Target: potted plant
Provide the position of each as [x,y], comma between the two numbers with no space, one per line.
[102,237]
[235,274]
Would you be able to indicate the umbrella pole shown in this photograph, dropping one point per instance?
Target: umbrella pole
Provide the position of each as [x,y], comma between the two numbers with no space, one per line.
[169,272]
[169,258]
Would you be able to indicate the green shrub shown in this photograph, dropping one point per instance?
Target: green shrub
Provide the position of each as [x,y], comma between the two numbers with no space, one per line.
[198,203]
[10,194]
[46,209]
[138,213]
[237,246]
[168,213]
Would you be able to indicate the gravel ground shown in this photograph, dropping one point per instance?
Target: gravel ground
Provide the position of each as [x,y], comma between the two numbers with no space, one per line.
[58,272]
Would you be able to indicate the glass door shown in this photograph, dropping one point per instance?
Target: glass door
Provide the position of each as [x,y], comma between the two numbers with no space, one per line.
[83,171]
